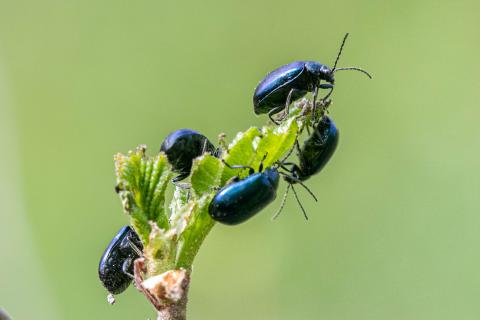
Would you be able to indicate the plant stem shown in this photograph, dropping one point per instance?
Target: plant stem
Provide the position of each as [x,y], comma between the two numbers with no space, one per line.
[168,292]
[177,311]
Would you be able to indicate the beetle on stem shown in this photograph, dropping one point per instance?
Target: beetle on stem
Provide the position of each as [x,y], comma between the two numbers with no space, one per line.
[181,147]
[115,269]
[313,156]
[240,200]
[293,81]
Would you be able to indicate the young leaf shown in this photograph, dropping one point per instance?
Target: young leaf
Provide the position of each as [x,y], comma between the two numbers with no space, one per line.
[141,184]
[206,174]
[276,142]
[240,152]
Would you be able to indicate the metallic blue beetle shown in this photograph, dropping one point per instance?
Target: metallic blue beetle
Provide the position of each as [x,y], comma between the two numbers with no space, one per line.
[316,151]
[241,200]
[115,269]
[181,147]
[293,81]
[314,155]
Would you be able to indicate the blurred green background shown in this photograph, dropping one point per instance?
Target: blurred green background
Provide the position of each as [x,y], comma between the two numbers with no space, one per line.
[396,231]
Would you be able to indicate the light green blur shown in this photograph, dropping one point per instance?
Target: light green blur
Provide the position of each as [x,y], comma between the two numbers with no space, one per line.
[396,230]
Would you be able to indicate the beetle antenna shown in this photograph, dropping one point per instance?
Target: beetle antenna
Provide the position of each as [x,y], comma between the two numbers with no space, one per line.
[354,68]
[292,178]
[309,191]
[282,204]
[340,52]
[299,203]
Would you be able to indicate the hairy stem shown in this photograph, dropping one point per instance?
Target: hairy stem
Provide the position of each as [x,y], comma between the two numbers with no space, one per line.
[177,311]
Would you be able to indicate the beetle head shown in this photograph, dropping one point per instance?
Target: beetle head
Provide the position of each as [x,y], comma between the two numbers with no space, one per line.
[329,77]
[319,72]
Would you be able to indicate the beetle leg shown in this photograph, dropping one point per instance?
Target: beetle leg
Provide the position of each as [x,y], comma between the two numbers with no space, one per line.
[287,103]
[291,150]
[274,111]
[327,86]
[314,104]
[260,167]
[204,149]
[180,177]
[125,266]
[298,145]
[251,170]
[232,180]
[283,166]
[137,250]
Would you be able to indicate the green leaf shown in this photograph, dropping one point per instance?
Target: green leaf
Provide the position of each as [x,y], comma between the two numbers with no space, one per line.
[240,152]
[141,182]
[141,225]
[276,142]
[159,181]
[206,173]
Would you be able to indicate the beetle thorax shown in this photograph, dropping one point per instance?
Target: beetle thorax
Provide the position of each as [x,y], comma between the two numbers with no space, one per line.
[273,176]
[319,72]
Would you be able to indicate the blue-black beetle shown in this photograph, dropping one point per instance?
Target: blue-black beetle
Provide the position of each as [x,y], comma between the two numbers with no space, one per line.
[240,200]
[292,81]
[181,147]
[115,269]
[314,155]
[316,151]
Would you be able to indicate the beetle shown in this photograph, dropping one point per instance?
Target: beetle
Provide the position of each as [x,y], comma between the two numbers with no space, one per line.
[240,200]
[181,147]
[115,269]
[293,81]
[316,151]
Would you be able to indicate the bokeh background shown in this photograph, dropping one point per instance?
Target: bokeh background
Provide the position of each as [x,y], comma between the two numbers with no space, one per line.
[396,231]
